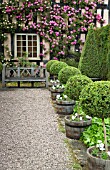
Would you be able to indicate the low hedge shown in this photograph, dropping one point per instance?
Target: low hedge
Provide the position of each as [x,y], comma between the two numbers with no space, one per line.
[75,85]
[66,72]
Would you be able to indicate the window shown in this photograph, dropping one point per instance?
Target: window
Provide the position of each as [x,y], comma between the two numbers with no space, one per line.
[29,43]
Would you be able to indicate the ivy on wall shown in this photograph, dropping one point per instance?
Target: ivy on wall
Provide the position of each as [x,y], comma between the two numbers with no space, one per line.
[60,24]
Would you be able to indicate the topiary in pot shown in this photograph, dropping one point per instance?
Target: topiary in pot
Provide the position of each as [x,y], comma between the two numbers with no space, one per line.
[66,72]
[1,67]
[75,85]
[49,63]
[56,67]
[95,101]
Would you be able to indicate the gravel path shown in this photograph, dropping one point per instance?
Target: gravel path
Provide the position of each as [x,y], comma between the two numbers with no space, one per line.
[29,135]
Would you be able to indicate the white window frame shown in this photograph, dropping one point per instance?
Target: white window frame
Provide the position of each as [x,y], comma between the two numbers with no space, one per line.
[38,45]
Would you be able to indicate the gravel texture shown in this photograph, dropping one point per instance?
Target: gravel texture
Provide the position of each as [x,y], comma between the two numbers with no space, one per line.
[29,135]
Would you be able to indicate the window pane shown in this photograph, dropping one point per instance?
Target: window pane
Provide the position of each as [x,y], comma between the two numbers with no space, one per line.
[34,37]
[34,43]
[23,37]
[29,43]
[18,37]
[34,54]
[23,49]
[18,43]
[24,43]
[29,54]
[30,37]
[19,54]
[19,49]
[29,49]
[34,49]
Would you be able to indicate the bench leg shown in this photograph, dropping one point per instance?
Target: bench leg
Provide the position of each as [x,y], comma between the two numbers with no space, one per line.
[18,83]
[32,84]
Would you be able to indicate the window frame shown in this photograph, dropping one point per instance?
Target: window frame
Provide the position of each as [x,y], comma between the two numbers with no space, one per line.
[38,45]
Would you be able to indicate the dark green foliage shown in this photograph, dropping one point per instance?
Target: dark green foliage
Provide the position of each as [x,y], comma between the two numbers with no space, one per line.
[75,85]
[72,59]
[93,60]
[95,99]
[66,72]
[1,67]
[102,35]
[49,63]
[70,62]
[93,133]
[56,67]
[108,58]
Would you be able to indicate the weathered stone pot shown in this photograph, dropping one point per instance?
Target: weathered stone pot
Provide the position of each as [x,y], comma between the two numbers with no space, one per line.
[55,92]
[75,128]
[95,163]
[64,107]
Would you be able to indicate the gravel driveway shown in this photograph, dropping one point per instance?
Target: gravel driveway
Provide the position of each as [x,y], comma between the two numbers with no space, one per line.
[29,135]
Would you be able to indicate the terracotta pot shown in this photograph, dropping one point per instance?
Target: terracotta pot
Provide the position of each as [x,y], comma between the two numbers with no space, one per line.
[55,92]
[95,163]
[64,107]
[75,128]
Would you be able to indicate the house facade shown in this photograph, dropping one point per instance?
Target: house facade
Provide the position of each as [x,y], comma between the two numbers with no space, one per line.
[39,28]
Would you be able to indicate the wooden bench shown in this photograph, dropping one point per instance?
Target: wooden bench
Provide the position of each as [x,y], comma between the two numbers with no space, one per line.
[24,74]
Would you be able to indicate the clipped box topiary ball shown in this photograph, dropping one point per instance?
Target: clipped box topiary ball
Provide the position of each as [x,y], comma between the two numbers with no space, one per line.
[95,99]
[56,67]
[49,63]
[66,72]
[75,85]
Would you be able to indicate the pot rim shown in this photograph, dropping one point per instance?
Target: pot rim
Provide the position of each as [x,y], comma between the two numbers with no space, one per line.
[72,102]
[93,157]
[77,123]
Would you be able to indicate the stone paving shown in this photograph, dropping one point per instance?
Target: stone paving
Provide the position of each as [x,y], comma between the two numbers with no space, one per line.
[29,135]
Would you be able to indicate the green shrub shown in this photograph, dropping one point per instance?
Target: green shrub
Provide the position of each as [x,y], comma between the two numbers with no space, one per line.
[75,85]
[95,102]
[95,99]
[93,133]
[108,58]
[93,60]
[1,67]
[56,67]
[49,63]
[66,72]
[72,59]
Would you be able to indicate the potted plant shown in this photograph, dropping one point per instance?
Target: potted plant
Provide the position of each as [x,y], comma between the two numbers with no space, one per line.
[64,105]
[95,101]
[55,90]
[76,122]
[74,86]
[66,72]
[56,67]
[48,65]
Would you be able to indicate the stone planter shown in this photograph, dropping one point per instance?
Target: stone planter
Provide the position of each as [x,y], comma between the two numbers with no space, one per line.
[95,163]
[55,92]
[75,128]
[64,107]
